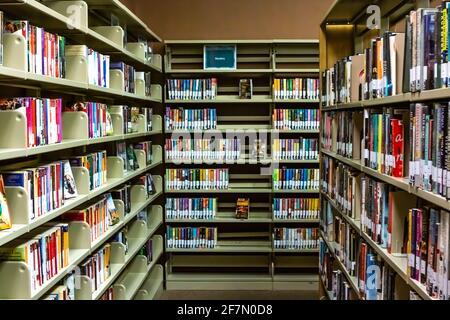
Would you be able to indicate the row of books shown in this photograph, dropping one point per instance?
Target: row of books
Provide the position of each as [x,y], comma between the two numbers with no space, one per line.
[45,51]
[45,251]
[129,73]
[123,193]
[384,141]
[59,293]
[340,132]
[296,179]
[43,117]
[127,152]
[296,208]
[296,238]
[47,54]
[200,149]
[389,218]
[190,119]
[47,187]
[147,182]
[98,64]
[147,251]
[191,238]
[97,267]
[192,89]
[298,88]
[131,116]
[295,149]
[426,54]
[100,216]
[197,179]
[375,73]
[428,157]
[95,163]
[99,118]
[296,119]
[427,247]
[333,279]
[191,208]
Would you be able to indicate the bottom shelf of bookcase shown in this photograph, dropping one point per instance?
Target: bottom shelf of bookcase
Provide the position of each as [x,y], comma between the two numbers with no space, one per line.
[221,282]
[153,286]
[295,282]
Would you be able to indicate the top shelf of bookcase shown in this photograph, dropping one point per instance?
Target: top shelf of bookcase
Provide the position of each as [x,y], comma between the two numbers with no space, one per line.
[276,41]
[134,24]
[354,12]
[41,15]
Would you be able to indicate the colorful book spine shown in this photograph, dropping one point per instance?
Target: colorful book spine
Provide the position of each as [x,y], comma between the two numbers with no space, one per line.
[296,238]
[296,179]
[129,74]
[191,208]
[296,208]
[190,119]
[203,149]
[192,89]
[295,149]
[197,179]
[191,238]
[296,119]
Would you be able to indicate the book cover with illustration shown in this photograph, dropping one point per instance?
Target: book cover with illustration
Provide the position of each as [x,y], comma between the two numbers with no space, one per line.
[242,208]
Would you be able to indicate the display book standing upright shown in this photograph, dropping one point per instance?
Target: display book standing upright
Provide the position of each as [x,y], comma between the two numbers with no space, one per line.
[79,219]
[385,219]
[242,214]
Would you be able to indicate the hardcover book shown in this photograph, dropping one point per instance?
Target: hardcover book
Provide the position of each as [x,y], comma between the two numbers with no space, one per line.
[245,89]
[220,57]
[70,188]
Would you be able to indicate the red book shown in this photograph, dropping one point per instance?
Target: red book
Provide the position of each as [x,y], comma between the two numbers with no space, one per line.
[397,147]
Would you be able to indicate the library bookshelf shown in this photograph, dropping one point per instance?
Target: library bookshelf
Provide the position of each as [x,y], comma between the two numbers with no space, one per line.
[244,257]
[344,33]
[131,276]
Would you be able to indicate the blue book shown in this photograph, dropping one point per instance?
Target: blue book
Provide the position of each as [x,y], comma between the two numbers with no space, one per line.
[372,277]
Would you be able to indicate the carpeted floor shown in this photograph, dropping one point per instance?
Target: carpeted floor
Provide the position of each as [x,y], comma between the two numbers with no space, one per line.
[239,295]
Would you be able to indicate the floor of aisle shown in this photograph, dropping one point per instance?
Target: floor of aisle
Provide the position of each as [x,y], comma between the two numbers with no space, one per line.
[240,295]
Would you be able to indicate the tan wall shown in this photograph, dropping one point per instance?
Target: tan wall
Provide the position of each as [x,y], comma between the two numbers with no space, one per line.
[232,19]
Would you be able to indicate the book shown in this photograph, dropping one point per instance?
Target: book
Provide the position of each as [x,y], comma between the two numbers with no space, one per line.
[295,149]
[245,88]
[96,164]
[99,119]
[242,208]
[70,187]
[129,73]
[5,217]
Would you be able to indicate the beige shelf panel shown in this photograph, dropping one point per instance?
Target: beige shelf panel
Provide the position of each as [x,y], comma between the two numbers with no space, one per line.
[153,286]
[128,284]
[294,282]
[134,25]
[220,261]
